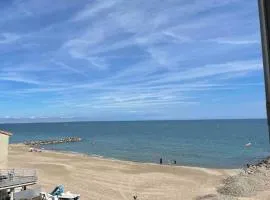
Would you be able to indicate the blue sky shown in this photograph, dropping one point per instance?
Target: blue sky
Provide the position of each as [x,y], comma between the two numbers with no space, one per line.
[130,60]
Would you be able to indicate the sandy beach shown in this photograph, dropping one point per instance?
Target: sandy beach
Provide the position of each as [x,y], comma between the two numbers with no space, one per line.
[98,178]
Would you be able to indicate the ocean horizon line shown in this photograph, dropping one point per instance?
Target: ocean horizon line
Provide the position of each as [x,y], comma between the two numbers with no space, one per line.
[140,120]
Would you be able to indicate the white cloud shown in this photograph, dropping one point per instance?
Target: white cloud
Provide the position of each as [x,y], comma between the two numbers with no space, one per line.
[67,67]
[94,8]
[210,71]
[7,38]
[129,55]
[236,41]
[14,77]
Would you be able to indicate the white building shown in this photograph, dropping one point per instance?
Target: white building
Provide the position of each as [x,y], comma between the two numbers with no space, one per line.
[4,141]
[13,180]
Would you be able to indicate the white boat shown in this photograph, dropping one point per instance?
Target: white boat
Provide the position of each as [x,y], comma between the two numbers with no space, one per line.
[248,144]
[63,196]
[59,194]
[69,196]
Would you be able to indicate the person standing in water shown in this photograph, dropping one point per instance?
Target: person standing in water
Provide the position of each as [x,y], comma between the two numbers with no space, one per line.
[160,161]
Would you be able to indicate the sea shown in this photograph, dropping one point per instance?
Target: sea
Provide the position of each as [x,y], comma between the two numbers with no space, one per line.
[200,143]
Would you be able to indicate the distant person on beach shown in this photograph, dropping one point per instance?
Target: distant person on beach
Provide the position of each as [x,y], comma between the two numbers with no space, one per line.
[174,162]
[160,161]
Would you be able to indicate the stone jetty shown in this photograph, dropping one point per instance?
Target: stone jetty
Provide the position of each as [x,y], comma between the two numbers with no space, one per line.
[52,141]
[263,164]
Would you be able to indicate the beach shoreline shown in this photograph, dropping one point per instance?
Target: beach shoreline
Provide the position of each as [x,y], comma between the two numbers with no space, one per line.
[103,178]
[103,158]
[146,142]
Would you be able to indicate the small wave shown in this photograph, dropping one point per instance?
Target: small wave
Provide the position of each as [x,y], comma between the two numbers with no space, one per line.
[262,154]
[96,156]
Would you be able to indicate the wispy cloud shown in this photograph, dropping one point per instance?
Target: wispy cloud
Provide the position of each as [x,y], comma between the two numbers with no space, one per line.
[7,38]
[130,56]
[67,67]
[93,9]
[236,41]
[12,77]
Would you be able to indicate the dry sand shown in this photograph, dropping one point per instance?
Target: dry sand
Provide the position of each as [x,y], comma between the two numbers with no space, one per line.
[105,179]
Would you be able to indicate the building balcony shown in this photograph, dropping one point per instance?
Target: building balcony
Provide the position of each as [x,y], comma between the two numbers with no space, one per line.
[14,178]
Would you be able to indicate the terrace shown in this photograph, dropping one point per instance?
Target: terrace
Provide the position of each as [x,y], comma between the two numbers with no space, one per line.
[14,178]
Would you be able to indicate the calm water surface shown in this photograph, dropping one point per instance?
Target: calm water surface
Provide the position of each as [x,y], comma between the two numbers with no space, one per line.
[206,143]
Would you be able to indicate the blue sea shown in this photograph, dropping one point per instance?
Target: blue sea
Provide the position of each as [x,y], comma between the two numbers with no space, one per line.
[202,143]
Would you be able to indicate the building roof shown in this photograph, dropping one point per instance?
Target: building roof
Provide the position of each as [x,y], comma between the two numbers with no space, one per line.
[5,133]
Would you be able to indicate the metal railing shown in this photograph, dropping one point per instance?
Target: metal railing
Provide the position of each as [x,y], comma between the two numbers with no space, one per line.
[18,172]
[17,177]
